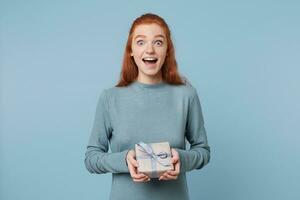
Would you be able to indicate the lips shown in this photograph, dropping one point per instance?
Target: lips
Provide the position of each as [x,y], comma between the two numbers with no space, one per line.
[149,60]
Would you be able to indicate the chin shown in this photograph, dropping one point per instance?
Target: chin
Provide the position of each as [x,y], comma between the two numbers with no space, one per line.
[150,74]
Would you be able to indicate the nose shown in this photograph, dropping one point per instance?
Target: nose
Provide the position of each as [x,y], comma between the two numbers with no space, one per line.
[150,48]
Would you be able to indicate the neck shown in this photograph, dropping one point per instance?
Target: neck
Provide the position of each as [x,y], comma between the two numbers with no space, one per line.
[149,79]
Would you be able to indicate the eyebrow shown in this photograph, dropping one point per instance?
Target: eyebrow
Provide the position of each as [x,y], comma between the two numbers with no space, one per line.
[143,36]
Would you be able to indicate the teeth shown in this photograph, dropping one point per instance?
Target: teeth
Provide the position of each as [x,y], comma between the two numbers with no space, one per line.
[150,58]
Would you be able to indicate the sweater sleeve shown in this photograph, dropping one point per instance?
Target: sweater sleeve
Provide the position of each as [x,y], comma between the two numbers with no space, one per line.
[199,153]
[97,158]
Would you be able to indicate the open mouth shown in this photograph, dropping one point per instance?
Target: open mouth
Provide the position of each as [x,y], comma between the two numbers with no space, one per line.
[150,60]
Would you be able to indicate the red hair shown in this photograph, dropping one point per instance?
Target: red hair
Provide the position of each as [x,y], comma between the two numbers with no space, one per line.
[169,70]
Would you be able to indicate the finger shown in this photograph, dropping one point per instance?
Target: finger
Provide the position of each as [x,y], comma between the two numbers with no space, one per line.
[133,172]
[167,177]
[145,179]
[139,176]
[141,180]
[172,173]
[175,158]
[162,177]
[133,161]
[170,177]
[177,167]
[147,176]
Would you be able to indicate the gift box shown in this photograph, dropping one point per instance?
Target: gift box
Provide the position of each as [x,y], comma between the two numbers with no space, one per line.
[153,158]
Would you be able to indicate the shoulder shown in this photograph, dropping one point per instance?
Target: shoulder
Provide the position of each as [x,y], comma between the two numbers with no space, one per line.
[112,92]
[186,90]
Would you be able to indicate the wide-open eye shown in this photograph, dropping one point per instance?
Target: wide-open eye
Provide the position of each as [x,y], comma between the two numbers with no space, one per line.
[158,42]
[140,42]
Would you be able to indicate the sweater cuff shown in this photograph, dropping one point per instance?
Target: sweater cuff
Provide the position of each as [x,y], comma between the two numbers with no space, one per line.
[193,158]
[123,164]
[184,156]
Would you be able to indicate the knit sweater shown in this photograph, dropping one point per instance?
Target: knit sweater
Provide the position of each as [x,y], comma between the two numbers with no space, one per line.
[150,113]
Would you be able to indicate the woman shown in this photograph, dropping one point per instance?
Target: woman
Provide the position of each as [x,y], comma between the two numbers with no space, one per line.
[151,103]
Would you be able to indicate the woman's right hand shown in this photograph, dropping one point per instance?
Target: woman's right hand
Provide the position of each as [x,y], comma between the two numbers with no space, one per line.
[132,167]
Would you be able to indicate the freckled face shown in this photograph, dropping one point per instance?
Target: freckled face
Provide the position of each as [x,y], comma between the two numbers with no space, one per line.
[149,48]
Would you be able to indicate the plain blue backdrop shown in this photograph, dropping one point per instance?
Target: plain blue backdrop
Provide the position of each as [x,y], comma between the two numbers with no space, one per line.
[242,57]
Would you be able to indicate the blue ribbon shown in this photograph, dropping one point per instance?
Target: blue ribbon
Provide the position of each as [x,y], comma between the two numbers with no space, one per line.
[149,154]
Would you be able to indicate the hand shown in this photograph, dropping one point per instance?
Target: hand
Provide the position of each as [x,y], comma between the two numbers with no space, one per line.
[172,174]
[132,167]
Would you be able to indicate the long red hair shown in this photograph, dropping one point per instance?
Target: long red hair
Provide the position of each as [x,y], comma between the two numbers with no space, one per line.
[169,70]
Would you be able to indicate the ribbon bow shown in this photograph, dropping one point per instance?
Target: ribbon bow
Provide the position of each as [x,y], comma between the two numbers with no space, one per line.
[146,148]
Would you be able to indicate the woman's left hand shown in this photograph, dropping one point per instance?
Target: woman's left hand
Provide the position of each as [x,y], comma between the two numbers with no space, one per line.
[172,174]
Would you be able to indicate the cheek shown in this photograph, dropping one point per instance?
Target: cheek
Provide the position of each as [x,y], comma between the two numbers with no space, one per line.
[137,52]
[162,54]
[137,60]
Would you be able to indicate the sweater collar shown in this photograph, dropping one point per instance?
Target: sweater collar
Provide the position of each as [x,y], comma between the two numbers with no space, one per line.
[146,86]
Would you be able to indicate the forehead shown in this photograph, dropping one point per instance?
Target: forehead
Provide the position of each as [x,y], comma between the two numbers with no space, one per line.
[148,30]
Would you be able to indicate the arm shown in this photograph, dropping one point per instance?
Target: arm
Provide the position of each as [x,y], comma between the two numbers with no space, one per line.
[199,153]
[97,159]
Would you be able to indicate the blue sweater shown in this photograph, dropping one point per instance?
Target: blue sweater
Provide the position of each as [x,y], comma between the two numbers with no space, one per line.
[149,113]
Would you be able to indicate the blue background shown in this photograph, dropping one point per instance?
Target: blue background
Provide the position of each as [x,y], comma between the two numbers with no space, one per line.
[243,58]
